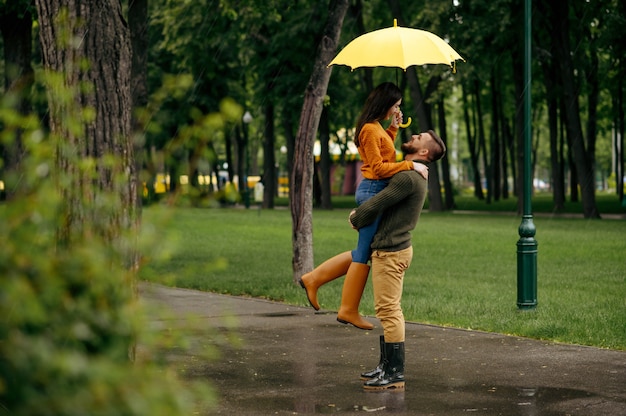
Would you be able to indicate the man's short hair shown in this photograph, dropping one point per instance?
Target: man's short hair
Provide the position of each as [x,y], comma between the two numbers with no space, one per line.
[437,148]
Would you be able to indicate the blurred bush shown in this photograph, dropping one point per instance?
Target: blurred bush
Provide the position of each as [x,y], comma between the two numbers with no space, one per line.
[69,317]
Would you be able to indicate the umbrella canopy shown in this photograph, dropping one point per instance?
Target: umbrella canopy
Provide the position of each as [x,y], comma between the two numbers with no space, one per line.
[398,47]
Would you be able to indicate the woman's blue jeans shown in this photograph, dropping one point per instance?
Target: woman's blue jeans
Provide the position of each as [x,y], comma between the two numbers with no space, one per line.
[367,189]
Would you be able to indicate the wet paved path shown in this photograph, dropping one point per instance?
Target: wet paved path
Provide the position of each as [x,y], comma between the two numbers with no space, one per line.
[293,361]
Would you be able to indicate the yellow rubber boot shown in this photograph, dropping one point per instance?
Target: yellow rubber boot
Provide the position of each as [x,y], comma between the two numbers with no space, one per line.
[331,269]
[353,287]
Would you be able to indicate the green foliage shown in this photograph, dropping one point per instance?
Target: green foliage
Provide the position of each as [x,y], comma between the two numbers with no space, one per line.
[71,321]
[261,55]
[463,272]
[183,145]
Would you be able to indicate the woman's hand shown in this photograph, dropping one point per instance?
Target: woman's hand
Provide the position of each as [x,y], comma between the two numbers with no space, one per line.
[396,119]
[350,218]
[421,169]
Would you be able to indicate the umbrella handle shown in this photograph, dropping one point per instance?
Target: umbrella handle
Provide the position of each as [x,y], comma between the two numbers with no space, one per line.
[407,124]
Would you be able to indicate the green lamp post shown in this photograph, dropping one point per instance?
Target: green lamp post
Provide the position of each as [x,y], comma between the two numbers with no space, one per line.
[527,245]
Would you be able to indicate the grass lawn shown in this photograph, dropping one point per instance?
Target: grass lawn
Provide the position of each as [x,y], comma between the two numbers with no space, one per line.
[464,270]
[542,202]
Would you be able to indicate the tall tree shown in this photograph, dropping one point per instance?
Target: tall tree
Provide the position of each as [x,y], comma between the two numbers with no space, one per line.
[584,166]
[96,71]
[552,87]
[471,132]
[325,160]
[138,25]
[482,142]
[496,148]
[612,19]
[301,183]
[517,63]
[445,161]
[270,180]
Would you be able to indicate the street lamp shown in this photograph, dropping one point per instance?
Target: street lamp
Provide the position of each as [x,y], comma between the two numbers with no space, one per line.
[247,119]
[527,245]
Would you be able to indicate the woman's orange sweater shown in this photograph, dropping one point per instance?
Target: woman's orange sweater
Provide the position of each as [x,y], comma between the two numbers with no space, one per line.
[378,152]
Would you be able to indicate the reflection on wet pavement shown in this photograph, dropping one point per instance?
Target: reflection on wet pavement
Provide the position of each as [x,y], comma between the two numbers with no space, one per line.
[317,379]
[290,361]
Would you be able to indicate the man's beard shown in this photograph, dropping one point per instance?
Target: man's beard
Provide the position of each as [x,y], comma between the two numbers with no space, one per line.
[407,149]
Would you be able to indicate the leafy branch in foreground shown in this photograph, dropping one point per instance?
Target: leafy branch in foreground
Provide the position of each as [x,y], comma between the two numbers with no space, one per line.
[70,317]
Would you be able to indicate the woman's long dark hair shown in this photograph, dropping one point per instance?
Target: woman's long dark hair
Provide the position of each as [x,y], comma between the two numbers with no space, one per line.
[378,103]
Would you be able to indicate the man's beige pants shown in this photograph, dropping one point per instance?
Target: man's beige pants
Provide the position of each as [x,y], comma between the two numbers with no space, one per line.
[388,269]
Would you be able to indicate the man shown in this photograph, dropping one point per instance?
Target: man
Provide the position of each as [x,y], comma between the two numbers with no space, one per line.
[401,204]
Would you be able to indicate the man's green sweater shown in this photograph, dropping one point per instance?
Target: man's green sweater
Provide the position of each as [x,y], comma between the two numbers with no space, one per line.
[401,204]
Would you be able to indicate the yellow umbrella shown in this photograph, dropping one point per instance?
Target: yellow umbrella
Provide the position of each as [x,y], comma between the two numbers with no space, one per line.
[398,47]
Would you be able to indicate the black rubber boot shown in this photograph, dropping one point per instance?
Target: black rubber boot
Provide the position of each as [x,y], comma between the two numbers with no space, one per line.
[379,368]
[392,376]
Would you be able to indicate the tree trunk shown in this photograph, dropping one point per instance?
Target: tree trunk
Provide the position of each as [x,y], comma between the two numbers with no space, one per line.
[325,162]
[505,142]
[584,169]
[496,161]
[556,158]
[317,186]
[435,199]
[356,12]
[445,161]
[269,159]
[138,26]
[482,141]
[553,85]
[16,28]
[556,162]
[592,103]
[241,141]
[103,137]
[415,90]
[228,143]
[618,109]
[290,140]
[509,141]
[471,142]
[300,189]
[573,173]
[422,111]
[518,79]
